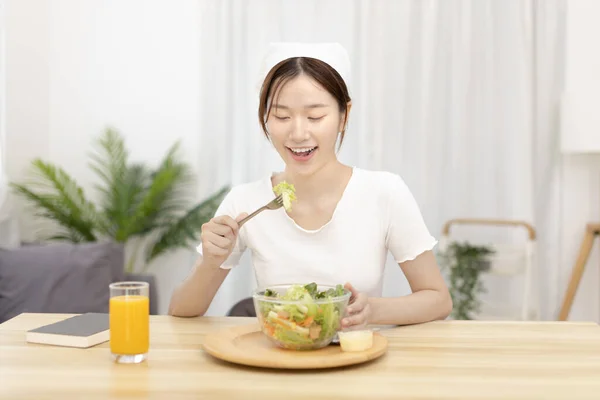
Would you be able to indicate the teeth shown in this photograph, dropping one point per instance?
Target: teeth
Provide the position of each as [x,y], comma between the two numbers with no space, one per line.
[302,150]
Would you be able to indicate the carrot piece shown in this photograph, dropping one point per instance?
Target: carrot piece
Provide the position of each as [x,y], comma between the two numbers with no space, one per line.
[307,321]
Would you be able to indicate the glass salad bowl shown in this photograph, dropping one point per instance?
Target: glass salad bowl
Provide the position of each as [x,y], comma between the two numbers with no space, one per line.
[301,317]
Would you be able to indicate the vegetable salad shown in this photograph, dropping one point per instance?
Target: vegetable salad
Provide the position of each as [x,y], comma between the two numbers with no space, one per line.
[306,324]
[287,192]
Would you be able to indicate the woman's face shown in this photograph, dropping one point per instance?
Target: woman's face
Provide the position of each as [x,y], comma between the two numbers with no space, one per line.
[303,125]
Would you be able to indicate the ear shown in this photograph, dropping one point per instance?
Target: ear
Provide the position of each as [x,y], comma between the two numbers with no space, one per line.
[344,118]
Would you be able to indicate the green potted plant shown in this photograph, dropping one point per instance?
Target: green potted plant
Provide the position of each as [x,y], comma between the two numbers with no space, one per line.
[149,210]
[464,263]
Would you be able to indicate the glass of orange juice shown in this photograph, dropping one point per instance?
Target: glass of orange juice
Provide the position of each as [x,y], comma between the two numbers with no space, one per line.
[129,314]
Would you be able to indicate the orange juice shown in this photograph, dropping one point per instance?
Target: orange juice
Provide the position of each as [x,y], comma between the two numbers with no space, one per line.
[129,325]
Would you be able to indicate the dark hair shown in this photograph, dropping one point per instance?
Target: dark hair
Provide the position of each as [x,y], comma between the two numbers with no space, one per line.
[288,69]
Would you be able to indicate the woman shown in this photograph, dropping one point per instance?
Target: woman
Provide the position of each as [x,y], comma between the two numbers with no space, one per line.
[345,219]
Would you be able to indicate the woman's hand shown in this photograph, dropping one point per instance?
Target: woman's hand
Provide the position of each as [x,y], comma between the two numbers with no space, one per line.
[358,310]
[218,237]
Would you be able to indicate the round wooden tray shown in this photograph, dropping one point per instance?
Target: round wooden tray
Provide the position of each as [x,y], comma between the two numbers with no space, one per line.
[247,345]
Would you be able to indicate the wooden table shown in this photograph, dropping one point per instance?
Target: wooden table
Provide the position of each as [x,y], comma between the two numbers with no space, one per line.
[440,360]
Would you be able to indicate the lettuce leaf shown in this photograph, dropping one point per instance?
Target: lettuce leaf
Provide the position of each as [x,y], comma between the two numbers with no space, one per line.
[287,192]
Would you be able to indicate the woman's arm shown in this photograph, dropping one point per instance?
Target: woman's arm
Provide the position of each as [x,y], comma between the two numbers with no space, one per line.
[193,297]
[430,298]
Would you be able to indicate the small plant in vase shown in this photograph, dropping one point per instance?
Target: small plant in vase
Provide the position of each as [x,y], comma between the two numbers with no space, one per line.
[464,264]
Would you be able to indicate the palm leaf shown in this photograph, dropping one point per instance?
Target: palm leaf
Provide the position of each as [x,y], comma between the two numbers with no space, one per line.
[110,159]
[185,229]
[130,190]
[109,162]
[167,194]
[64,237]
[47,207]
[61,200]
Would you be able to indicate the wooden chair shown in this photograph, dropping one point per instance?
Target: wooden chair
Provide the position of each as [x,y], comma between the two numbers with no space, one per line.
[243,308]
[509,260]
[591,232]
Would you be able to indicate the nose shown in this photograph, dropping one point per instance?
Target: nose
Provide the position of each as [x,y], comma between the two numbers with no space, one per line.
[299,132]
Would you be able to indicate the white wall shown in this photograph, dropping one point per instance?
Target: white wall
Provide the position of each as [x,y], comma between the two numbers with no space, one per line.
[9,232]
[580,143]
[581,205]
[580,117]
[77,66]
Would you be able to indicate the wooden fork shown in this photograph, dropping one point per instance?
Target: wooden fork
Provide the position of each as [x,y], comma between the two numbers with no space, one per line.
[276,203]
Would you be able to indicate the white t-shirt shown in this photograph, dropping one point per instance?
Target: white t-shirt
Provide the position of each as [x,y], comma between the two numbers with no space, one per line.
[376,214]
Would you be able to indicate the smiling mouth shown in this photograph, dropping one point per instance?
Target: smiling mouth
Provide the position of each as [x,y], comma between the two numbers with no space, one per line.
[303,151]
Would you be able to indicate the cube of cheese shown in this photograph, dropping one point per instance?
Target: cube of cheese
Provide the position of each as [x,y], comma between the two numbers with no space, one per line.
[356,340]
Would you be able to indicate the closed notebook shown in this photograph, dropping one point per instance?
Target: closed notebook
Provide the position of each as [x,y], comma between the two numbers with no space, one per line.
[81,331]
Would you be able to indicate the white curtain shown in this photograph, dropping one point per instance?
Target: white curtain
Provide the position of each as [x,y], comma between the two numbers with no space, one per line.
[458,97]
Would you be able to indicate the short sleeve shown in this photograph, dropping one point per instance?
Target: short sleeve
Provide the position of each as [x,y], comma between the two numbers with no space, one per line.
[407,235]
[228,207]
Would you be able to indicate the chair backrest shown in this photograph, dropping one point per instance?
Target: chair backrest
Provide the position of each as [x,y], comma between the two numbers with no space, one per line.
[508,260]
[512,259]
[243,308]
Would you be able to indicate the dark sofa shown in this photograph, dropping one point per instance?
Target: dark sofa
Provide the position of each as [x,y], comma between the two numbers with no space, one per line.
[61,278]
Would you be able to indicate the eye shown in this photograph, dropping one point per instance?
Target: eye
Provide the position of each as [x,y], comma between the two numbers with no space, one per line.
[316,118]
[281,118]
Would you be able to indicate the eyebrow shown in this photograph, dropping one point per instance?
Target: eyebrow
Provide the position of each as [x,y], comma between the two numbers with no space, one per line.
[284,107]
